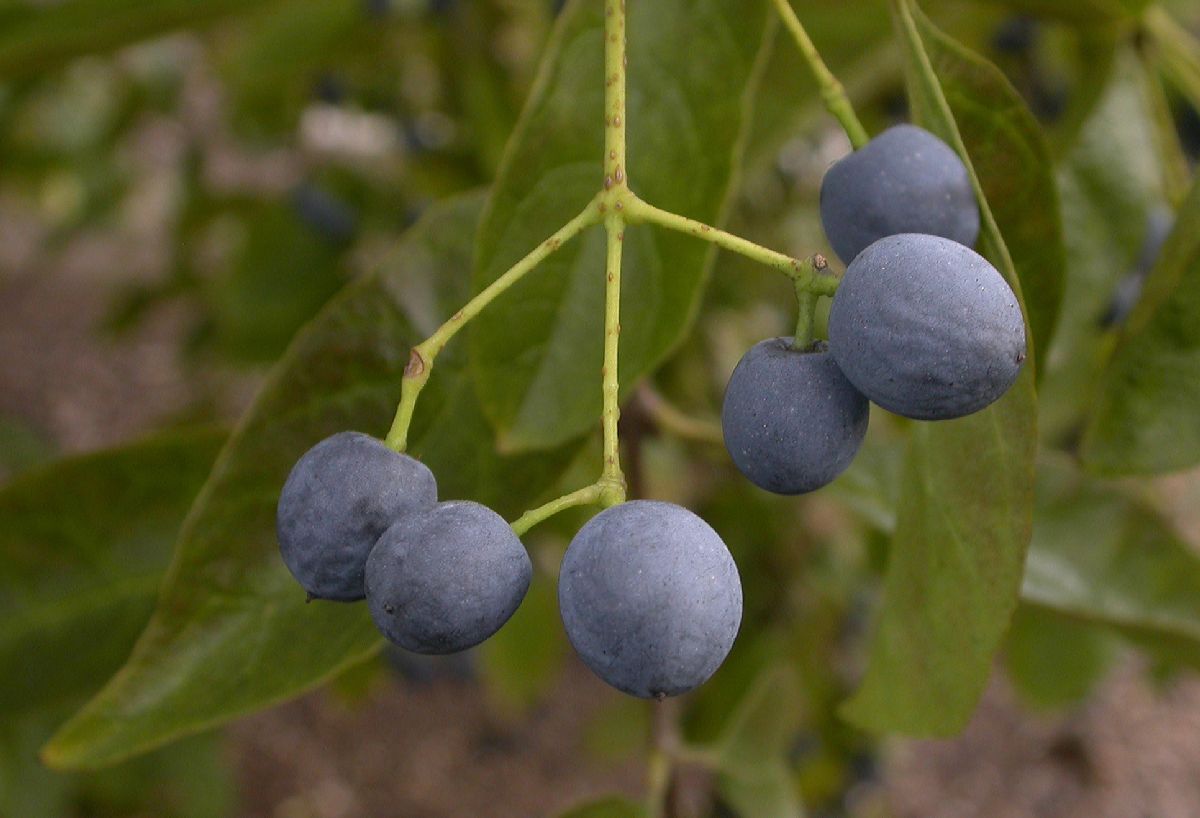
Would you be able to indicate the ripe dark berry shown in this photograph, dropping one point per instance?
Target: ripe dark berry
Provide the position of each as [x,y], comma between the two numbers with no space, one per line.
[446,579]
[906,180]
[926,328]
[340,496]
[792,421]
[650,598]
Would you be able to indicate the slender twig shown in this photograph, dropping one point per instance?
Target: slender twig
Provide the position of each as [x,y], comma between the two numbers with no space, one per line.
[612,336]
[421,359]
[812,274]
[832,92]
[616,192]
[584,497]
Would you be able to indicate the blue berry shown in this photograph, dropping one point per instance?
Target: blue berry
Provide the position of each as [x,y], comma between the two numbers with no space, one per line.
[650,598]
[340,496]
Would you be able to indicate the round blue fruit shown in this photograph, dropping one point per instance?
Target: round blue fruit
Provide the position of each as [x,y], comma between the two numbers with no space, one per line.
[792,421]
[650,598]
[906,180]
[340,496]
[446,579]
[927,328]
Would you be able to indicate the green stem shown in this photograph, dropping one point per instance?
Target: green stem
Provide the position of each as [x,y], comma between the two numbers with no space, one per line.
[611,413]
[806,320]
[832,91]
[614,95]
[616,193]
[420,362]
[811,274]
[583,497]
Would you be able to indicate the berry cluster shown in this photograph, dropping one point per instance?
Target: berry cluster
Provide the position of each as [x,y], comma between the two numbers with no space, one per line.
[921,324]
[650,596]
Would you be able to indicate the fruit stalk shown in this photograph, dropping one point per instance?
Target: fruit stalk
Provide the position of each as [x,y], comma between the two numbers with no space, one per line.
[585,496]
[421,359]
[833,93]
[615,193]
[810,275]
[806,318]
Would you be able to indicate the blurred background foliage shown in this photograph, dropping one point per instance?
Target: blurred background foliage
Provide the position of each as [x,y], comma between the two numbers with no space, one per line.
[250,160]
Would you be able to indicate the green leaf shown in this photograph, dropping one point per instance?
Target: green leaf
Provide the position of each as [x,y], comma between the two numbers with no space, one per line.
[1100,558]
[537,361]
[1012,161]
[232,632]
[191,779]
[282,274]
[35,37]
[963,523]
[1054,661]
[1105,213]
[1144,419]
[613,807]
[83,545]
[752,752]
[955,570]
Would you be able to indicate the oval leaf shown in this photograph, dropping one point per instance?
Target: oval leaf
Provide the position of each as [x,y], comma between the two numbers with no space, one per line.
[1011,157]
[1105,210]
[537,363]
[752,753]
[232,632]
[1100,558]
[1145,419]
[83,546]
[963,523]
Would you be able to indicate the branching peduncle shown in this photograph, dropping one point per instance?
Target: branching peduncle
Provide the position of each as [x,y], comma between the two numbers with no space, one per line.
[833,93]
[611,413]
[584,497]
[810,275]
[615,206]
[420,362]
[615,195]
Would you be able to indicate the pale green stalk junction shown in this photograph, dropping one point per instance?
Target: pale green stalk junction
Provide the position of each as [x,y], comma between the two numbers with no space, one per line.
[420,362]
[809,275]
[615,206]
[833,93]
